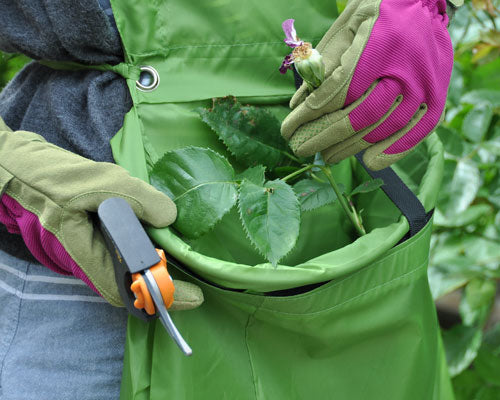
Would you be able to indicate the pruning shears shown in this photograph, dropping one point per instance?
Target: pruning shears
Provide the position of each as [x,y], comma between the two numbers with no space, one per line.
[141,272]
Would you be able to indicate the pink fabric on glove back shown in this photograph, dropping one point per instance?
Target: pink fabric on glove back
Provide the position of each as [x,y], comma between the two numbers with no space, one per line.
[43,244]
[409,53]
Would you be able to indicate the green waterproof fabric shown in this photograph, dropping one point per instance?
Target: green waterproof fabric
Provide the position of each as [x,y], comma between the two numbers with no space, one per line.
[370,331]
[368,335]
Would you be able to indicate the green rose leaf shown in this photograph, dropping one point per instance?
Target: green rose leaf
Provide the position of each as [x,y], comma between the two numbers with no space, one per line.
[487,363]
[313,194]
[254,174]
[482,95]
[493,146]
[467,385]
[461,184]
[476,303]
[477,121]
[443,280]
[452,141]
[251,134]
[487,393]
[461,344]
[495,197]
[271,217]
[467,217]
[368,186]
[201,183]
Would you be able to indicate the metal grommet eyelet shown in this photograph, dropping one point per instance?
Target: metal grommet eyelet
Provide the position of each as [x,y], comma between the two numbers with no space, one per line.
[149,79]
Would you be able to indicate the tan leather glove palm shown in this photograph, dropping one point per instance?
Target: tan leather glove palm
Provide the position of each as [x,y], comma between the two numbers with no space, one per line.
[48,195]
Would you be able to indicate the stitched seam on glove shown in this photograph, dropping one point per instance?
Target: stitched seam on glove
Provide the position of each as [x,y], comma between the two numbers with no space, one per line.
[34,210]
[350,74]
[57,232]
[61,236]
[5,178]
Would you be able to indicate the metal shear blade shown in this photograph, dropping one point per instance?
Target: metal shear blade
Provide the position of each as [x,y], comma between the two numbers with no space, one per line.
[167,322]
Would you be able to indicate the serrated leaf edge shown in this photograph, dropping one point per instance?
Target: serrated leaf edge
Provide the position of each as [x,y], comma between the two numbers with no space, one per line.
[207,122]
[210,226]
[216,221]
[322,205]
[275,265]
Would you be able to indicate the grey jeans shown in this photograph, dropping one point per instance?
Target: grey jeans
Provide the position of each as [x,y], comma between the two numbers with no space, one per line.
[58,339]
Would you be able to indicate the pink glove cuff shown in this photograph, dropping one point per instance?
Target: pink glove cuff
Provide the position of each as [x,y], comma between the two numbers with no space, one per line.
[43,244]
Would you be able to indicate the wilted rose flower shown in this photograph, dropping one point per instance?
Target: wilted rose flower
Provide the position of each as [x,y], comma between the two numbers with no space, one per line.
[308,62]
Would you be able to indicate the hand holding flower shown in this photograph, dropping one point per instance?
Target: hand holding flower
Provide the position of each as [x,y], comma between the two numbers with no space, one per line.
[308,62]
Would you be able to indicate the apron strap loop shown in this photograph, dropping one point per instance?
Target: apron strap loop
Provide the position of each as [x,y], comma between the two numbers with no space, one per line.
[128,71]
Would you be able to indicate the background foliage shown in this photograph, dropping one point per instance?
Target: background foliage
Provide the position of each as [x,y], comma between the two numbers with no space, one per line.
[465,256]
[9,65]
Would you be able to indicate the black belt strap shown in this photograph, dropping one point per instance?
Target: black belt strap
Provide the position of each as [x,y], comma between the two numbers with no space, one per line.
[401,196]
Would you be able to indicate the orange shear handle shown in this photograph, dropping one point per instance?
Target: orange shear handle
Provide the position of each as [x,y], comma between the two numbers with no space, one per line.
[139,288]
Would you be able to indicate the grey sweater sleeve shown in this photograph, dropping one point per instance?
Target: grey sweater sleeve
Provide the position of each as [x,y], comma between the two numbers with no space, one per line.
[65,30]
[79,111]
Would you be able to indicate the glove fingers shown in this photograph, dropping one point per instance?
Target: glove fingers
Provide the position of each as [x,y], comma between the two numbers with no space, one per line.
[331,94]
[298,128]
[333,45]
[340,67]
[158,209]
[299,116]
[341,151]
[85,244]
[299,96]
[383,96]
[186,297]
[386,152]
[149,204]
[374,106]
[373,112]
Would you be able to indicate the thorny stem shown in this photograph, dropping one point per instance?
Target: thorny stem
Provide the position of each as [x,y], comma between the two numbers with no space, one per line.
[288,169]
[349,209]
[357,217]
[298,172]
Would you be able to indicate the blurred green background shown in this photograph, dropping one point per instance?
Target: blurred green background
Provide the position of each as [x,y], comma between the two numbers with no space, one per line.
[464,271]
[465,255]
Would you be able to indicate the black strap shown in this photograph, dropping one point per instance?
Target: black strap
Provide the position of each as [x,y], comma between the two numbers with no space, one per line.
[400,194]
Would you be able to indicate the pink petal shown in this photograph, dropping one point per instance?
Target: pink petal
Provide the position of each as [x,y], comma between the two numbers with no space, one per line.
[286,64]
[290,33]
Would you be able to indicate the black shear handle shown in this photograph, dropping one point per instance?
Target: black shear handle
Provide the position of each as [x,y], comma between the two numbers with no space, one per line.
[131,249]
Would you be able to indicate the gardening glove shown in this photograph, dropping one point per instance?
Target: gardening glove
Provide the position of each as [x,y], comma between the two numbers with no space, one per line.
[388,67]
[46,195]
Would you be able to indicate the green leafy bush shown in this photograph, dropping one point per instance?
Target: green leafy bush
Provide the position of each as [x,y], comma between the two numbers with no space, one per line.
[466,241]
[10,64]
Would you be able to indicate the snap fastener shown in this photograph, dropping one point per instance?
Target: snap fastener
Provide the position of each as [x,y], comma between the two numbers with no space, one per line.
[149,79]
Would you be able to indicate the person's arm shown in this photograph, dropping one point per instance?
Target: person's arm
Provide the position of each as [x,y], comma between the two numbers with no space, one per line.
[39,29]
[47,195]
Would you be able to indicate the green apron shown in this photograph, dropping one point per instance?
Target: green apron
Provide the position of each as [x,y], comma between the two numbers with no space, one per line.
[370,331]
